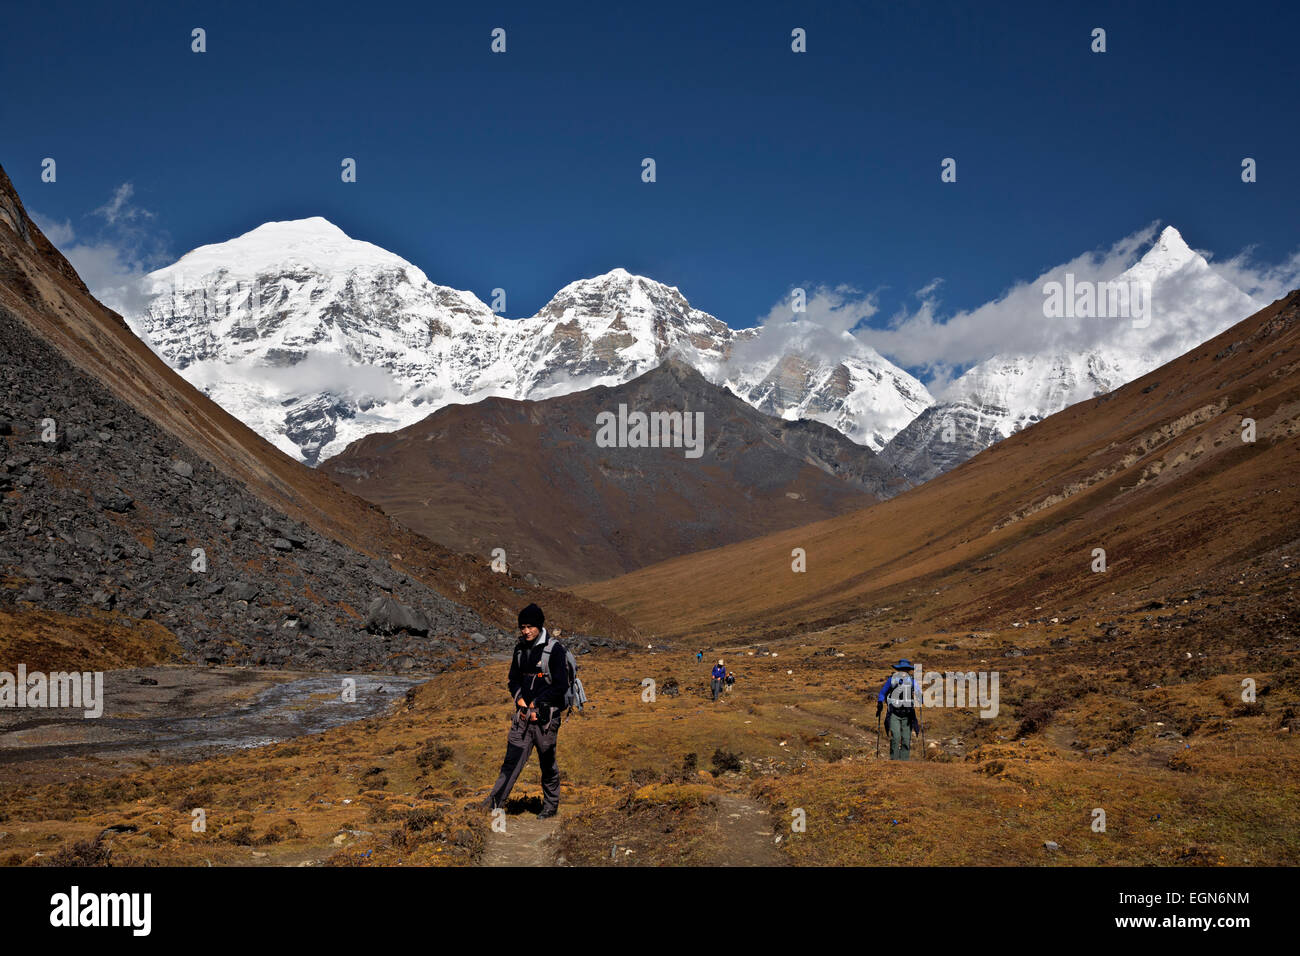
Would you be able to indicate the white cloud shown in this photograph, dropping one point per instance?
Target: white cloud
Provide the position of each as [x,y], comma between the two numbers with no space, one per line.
[1264,282]
[114,258]
[1012,323]
[112,271]
[929,289]
[57,232]
[318,372]
[558,382]
[825,329]
[1188,307]
[120,209]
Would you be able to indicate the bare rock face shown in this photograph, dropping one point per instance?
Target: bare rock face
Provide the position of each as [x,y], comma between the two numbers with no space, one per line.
[386,616]
[121,522]
[792,377]
[940,439]
[863,396]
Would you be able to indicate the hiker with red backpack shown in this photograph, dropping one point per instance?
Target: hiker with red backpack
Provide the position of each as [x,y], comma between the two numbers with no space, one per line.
[543,682]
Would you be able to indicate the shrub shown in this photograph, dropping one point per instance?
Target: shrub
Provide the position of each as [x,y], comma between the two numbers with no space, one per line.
[81,853]
[433,757]
[725,760]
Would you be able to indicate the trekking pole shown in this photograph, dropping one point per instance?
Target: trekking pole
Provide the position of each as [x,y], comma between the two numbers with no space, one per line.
[877,736]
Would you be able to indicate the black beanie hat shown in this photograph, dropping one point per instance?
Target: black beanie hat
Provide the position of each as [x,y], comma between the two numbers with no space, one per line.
[531,615]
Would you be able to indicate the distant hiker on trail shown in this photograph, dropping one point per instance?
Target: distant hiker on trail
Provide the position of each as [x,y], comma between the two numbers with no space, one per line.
[731,679]
[538,681]
[699,656]
[719,678]
[904,698]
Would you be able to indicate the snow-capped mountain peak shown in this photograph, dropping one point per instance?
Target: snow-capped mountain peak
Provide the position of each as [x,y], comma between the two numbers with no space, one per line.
[1188,303]
[631,321]
[859,392]
[616,291]
[1168,255]
[314,244]
[315,339]
[1171,243]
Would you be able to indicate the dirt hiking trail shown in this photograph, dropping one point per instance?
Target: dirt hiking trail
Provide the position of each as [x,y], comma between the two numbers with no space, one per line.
[745,837]
[524,842]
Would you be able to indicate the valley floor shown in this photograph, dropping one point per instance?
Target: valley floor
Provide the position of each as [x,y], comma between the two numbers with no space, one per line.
[1139,715]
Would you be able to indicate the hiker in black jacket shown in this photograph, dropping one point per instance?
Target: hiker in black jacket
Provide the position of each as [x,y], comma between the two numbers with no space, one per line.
[538,704]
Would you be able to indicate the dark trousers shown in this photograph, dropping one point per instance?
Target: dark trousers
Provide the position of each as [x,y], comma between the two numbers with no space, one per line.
[521,740]
[717,687]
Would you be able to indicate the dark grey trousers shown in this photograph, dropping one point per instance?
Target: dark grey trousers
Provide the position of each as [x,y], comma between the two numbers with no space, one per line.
[521,740]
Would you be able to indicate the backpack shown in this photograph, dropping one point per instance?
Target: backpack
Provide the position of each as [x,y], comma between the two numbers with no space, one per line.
[574,695]
[902,692]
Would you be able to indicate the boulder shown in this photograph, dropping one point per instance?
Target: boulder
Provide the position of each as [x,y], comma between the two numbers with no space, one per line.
[115,500]
[242,591]
[386,616]
[88,540]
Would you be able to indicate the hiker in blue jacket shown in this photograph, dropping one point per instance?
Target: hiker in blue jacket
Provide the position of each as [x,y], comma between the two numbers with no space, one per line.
[904,698]
[719,678]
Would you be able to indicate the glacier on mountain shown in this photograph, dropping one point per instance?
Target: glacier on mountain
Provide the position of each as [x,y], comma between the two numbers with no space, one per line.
[314,339]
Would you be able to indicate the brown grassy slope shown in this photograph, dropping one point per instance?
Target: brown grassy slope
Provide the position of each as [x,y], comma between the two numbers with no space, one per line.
[40,286]
[529,477]
[46,640]
[1156,473]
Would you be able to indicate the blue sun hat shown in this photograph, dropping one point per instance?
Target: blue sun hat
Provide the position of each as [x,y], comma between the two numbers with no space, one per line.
[903,665]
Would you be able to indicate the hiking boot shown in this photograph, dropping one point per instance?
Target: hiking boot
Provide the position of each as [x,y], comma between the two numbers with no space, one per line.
[547,814]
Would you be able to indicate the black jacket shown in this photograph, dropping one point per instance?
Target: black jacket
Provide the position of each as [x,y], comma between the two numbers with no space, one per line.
[525,674]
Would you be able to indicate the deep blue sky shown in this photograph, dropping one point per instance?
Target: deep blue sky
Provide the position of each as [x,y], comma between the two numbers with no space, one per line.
[522,170]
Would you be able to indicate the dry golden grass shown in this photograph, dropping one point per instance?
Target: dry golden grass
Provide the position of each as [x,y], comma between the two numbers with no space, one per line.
[46,640]
[1155,472]
[1189,773]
